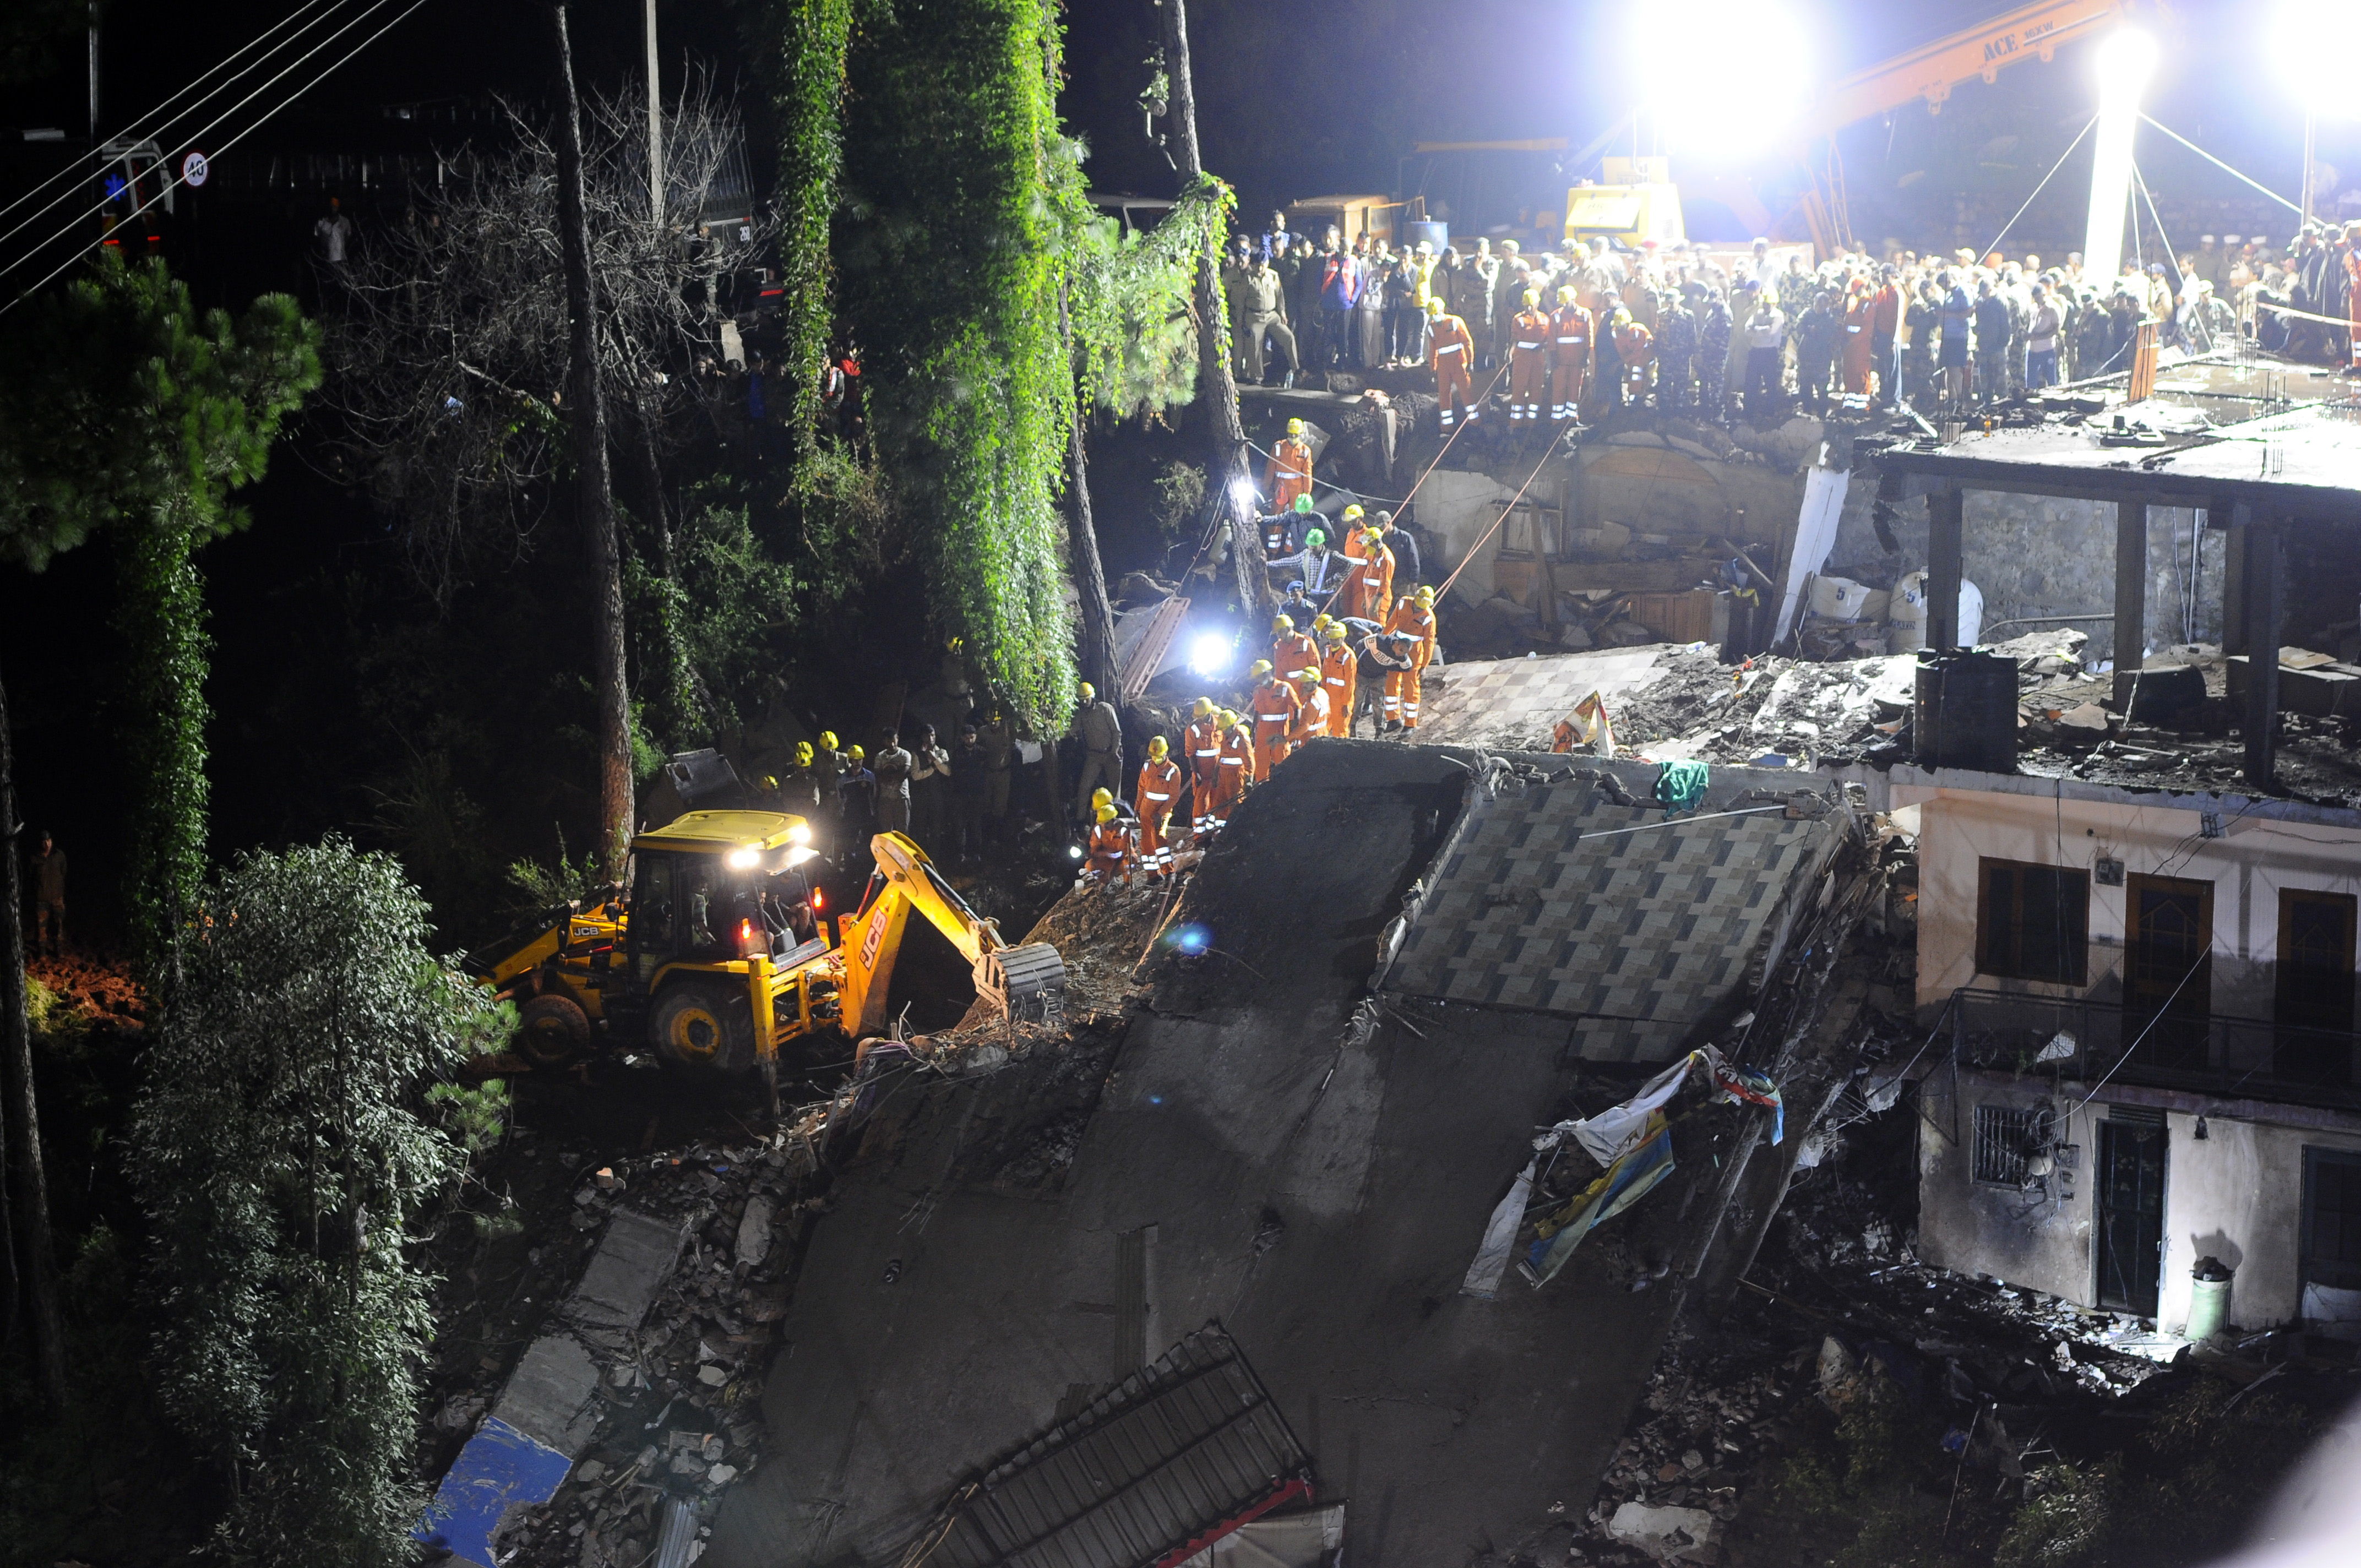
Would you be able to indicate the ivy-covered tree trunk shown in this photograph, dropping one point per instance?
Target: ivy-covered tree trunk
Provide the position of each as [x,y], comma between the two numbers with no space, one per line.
[32,1260]
[1220,391]
[594,497]
[810,40]
[1083,545]
[160,617]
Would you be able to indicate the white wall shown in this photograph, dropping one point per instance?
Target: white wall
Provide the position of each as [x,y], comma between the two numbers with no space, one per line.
[2249,866]
[2237,1195]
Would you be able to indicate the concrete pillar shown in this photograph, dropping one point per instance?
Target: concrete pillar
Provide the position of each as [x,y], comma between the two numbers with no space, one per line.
[2233,575]
[2131,598]
[2265,599]
[1945,519]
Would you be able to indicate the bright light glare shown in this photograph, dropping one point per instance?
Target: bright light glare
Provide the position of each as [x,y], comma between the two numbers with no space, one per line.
[1074,852]
[1209,655]
[745,860]
[2315,42]
[799,834]
[799,854]
[1732,71]
[1241,490]
[2125,62]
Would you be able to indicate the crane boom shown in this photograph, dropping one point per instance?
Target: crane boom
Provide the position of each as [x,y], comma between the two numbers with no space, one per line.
[1979,53]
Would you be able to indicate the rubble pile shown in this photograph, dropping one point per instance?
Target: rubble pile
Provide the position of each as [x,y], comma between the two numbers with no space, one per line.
[684,1421]
[97,989]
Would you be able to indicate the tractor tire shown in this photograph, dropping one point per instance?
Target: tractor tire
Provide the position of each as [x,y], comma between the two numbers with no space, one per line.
[703,1027]
[552,1030]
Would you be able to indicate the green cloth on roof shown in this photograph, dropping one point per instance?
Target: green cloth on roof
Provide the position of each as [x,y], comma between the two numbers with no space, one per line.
[1681,786]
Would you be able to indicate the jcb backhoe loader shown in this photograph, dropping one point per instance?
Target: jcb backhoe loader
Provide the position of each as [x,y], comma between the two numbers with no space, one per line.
[720,952]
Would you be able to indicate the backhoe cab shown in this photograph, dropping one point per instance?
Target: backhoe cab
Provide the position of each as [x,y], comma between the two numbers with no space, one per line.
[720,953]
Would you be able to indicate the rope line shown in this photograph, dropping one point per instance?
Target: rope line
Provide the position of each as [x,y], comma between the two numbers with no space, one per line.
[2209,157]
[2039,188]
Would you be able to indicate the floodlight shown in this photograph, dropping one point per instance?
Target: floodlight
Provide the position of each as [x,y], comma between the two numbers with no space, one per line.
[1734,72]
[745,858]
[2315,42]
[1208,654]
[1242,491]
[2127,60]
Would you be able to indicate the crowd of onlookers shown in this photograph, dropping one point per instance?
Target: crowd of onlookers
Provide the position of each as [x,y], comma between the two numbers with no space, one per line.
[1720,333]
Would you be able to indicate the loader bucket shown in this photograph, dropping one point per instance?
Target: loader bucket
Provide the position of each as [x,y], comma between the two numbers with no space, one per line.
[1027,984]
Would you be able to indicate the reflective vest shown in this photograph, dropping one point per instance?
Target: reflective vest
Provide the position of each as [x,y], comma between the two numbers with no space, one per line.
[1338,669]
[1312,717]
[1570,336]
[1204,742]
[1408,619]
[1533,334]
[1448,346]
[1237,754]
[1292,653]
[1275,705]
[1159,786]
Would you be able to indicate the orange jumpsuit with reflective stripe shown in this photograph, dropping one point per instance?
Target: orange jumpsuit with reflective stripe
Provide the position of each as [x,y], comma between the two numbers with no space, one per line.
[1635,346]
[1402,686]
[1289,473]
[1451,354]
[1311,716]
[1528,362]
[1273,707]
[1204,741]
[1110,851]
[1368,584]
[1237,763]
[1292,653]
[1571,357]
[1860,311]
[1158,791]
[1340,673]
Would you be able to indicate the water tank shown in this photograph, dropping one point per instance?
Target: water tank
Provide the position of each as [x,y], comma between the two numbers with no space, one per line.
[1966,714]
[2209,1299]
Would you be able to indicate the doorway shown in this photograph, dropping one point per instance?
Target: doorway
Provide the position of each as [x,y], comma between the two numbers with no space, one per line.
[2330,1259]
[2313,992]
[2168,970]
[2131,1212]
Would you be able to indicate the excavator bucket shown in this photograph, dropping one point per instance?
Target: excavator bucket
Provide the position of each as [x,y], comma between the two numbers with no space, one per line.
[1027,984]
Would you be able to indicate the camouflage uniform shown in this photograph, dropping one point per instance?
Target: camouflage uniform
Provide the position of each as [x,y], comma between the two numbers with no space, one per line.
[1676,346]
[1816,354]
[1713,355]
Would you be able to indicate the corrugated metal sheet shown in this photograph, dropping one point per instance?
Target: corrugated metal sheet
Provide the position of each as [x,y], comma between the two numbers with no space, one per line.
[1180,1448]
[1146,655]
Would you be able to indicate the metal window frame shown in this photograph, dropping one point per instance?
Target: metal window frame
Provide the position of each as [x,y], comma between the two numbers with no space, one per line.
[2006,1142]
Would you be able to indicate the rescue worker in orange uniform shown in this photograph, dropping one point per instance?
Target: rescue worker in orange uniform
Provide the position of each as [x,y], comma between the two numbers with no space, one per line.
[1451,355]
[1109,856]
[1860,317]
[2353,294]
[1635,346]
[1157,792]
[1237,766]
[1571,357]
[1370,579]
[1413,617]
[1290,649]
[1289,473]
[1529,346]
[1274,705]
[1311,716]
[1203,741]
[1340,672]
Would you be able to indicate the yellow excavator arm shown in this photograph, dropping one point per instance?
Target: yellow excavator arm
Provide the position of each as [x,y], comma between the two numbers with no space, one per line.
[1013,979]
[1978,53]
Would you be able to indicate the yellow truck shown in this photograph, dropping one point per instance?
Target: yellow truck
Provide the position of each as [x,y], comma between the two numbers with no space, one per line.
[720,952]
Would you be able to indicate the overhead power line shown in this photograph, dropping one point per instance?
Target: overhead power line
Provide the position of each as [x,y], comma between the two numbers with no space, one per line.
[180,179]
[140,129]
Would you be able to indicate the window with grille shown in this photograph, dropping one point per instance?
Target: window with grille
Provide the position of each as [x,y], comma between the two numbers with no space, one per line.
[2007,1139]
[2033,922]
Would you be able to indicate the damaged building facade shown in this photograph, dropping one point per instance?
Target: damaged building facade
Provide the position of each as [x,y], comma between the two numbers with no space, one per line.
[2136,952]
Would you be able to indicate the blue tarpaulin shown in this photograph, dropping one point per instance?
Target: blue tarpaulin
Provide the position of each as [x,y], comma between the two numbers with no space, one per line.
[500,1469]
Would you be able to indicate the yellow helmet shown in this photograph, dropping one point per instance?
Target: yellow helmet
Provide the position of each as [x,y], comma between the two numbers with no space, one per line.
[1259,669]
[770,781]
[1322,621]
[802,754]
[1280,625]
[1532,296]
[856,753]
[1101,796]
[1088,691]
[1352,511]
[1307,677]
[1295,427]
[1566,296]
[1201,708]
[1434,306]
[1335,631]
[827,740]
[1229,717]
[1105,815]
[1425,594]
[1156,748]
[1372,538]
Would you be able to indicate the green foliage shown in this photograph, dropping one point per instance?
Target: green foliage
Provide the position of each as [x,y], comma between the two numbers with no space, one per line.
[476,1115]
[122,408]
[1180,491]
[537,888]
[2065,1520]
[281,1149]
[952,273]
[1134,330]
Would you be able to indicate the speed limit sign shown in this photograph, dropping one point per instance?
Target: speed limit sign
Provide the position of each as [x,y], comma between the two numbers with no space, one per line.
[194,168]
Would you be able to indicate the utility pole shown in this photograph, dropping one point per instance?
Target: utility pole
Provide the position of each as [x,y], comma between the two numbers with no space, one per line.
[593,491]
[656,128]
[1220,392]
[32,1271]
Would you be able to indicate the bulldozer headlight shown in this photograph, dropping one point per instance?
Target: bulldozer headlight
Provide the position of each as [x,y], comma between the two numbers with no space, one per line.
[799,854]
[799,834]
[745,860]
